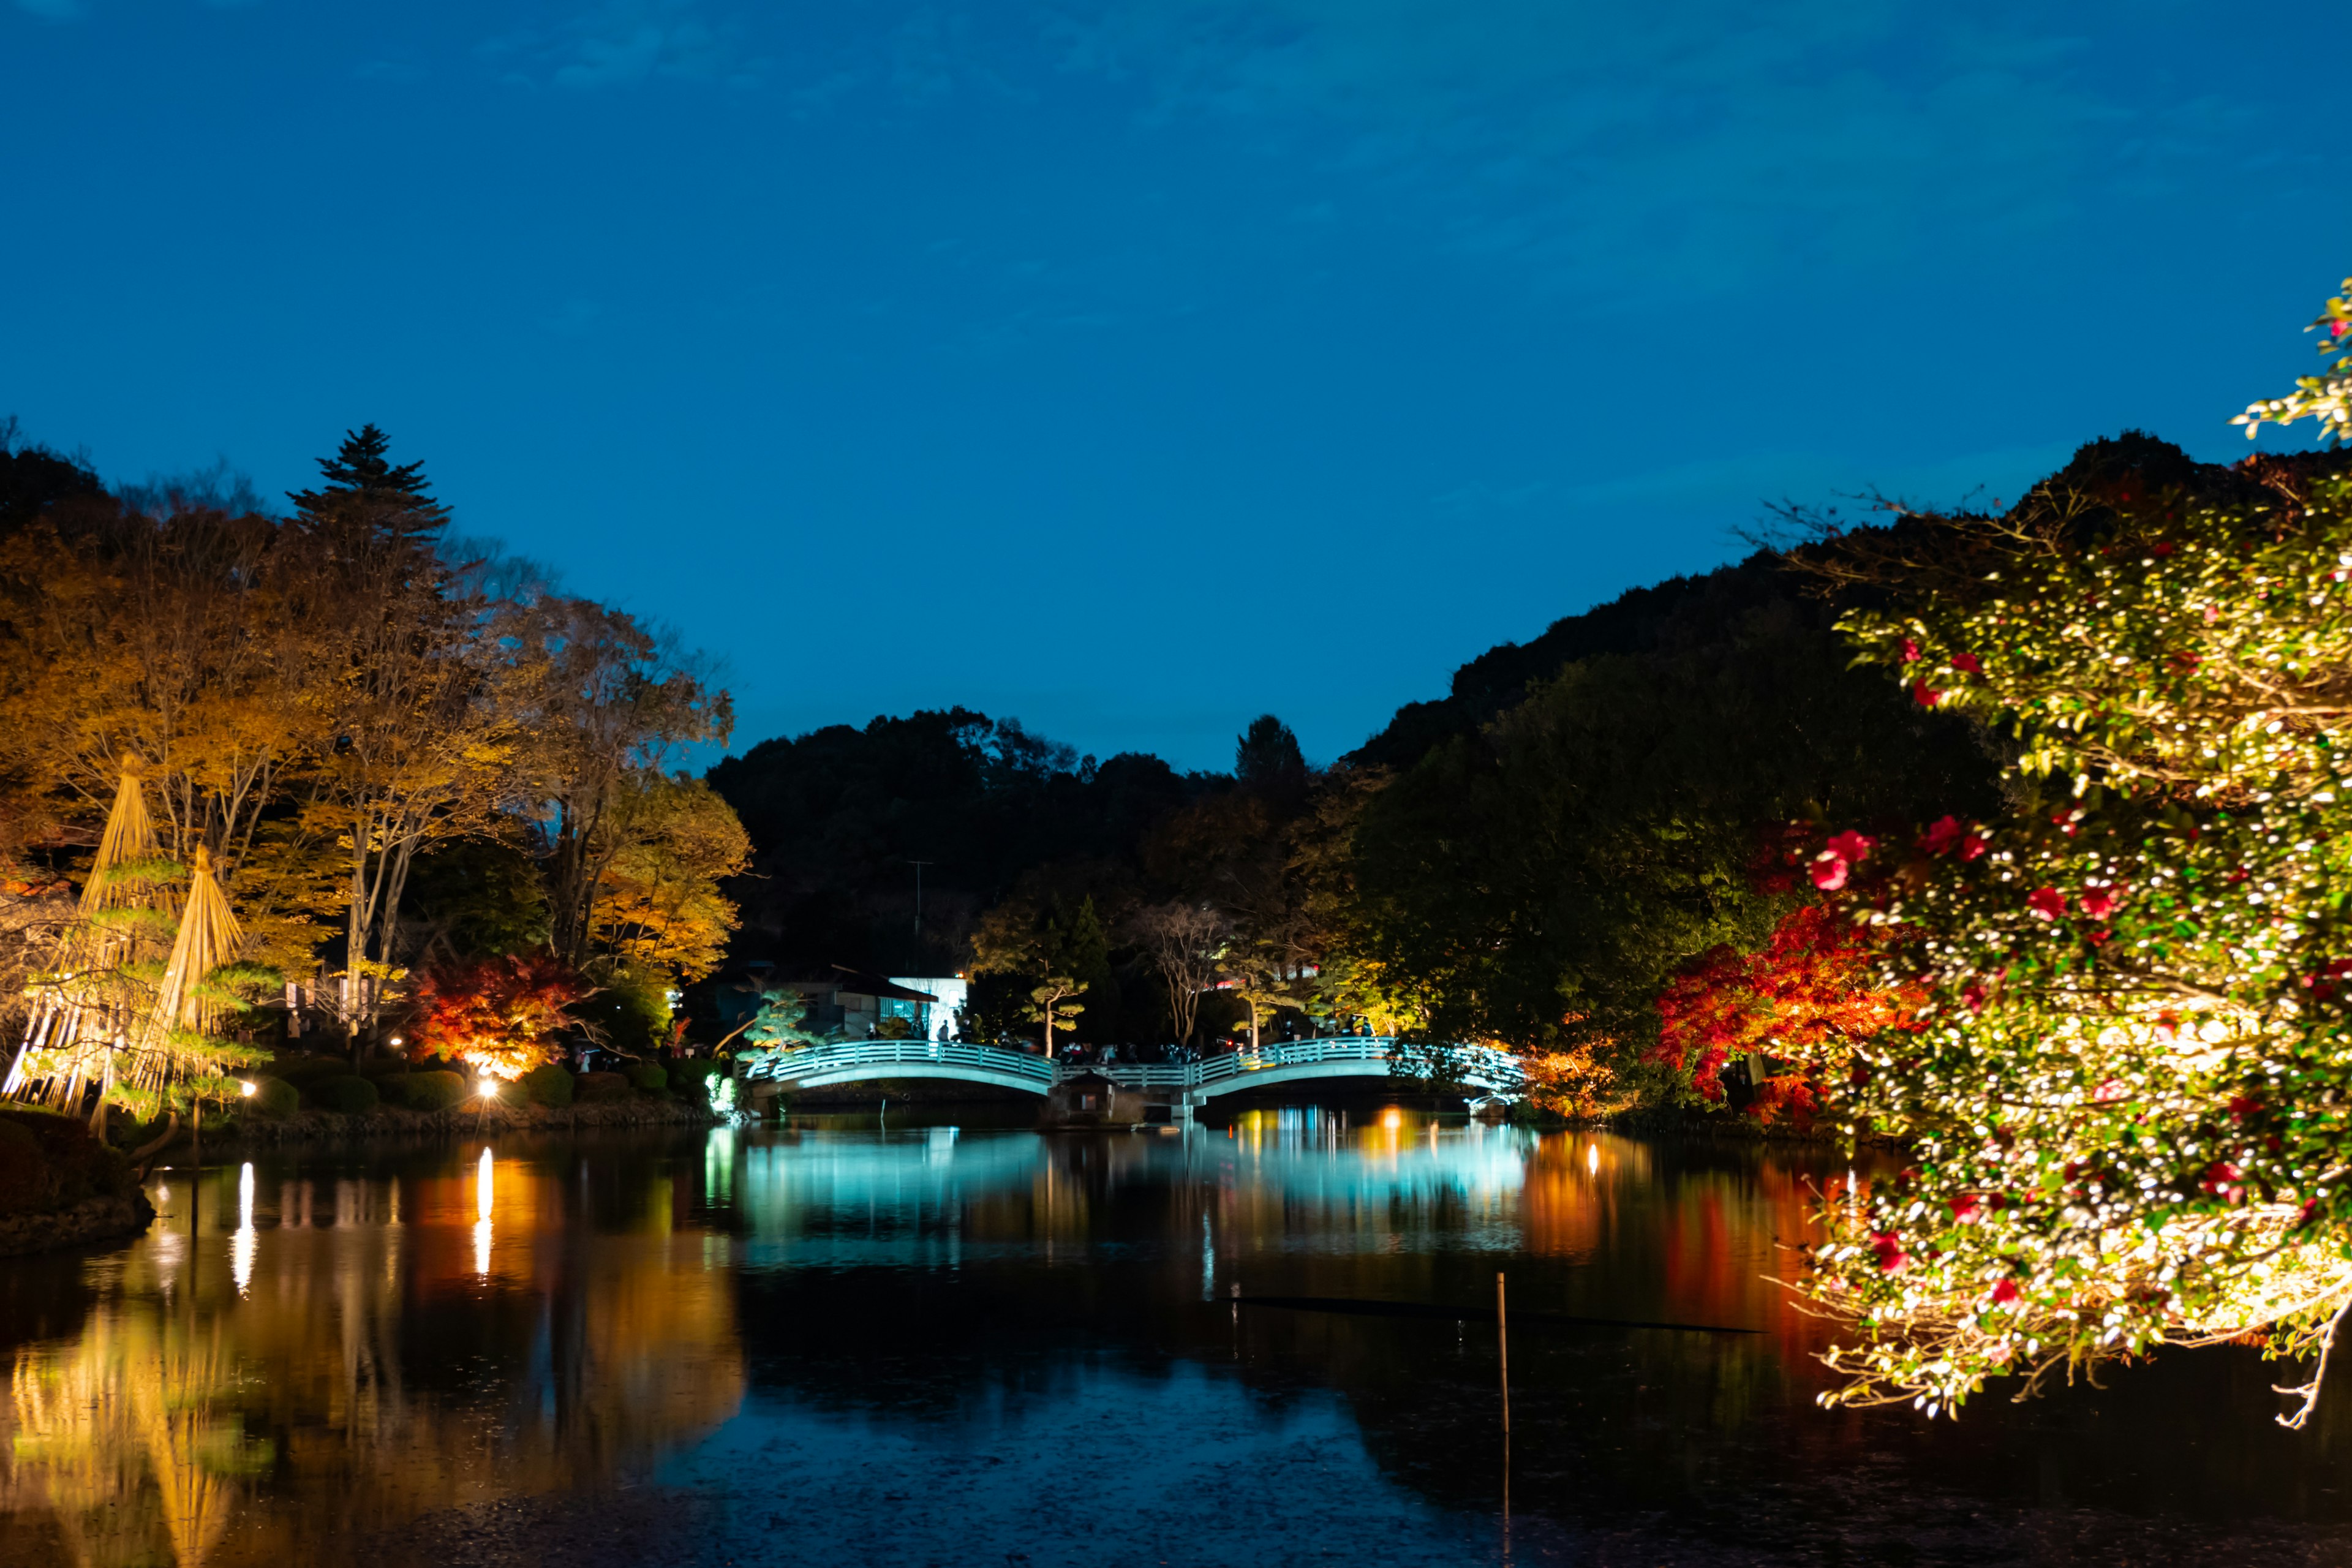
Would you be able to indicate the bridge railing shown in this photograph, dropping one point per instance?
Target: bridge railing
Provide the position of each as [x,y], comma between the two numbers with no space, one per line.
[807,1061]
[1475,1067]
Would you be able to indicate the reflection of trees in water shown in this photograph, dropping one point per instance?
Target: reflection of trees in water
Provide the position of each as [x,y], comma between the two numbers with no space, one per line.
[368,1372]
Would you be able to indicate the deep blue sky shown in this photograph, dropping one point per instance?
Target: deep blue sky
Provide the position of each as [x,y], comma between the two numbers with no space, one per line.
[1136,368]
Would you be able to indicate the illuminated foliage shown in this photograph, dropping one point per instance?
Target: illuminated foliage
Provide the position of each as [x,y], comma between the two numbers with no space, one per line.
[501,1016]
[2128,1093]
[2327,397]
[1807,996]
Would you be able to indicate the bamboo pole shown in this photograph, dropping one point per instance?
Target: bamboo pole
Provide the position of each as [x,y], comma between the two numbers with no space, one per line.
[1503,1344]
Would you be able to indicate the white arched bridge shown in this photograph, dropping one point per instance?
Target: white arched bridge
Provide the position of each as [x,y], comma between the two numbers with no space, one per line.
[1481,1068]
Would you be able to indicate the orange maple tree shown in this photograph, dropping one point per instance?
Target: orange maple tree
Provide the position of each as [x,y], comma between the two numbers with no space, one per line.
[500,1015]
[1796,1002]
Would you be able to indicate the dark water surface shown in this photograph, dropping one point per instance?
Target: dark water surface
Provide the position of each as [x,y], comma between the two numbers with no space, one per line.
[850,1343]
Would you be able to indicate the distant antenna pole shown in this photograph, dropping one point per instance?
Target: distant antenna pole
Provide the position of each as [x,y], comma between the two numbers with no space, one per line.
[918,865]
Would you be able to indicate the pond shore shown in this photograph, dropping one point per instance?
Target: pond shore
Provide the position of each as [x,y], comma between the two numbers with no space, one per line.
[85,1224]
[472,1117]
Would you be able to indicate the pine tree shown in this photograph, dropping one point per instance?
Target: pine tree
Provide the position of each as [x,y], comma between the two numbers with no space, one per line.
[393,503]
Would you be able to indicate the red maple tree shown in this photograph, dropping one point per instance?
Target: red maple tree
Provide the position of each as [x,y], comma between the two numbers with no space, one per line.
[1796,1002]
[499,1015]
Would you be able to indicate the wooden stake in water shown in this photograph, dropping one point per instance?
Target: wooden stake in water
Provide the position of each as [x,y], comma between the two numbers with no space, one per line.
[1503,1345]
[1503,1342]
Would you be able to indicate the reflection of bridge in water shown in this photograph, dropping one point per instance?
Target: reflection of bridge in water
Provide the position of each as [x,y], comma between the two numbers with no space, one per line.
[1480,1068]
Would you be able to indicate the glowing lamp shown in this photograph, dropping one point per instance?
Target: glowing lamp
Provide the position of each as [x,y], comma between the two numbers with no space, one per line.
[489,1089]
[247,1088]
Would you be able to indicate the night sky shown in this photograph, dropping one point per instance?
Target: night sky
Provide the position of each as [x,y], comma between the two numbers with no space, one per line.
[1135,369]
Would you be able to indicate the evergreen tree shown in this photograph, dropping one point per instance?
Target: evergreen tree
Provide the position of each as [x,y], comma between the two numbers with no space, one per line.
[1267,759]
[393,502]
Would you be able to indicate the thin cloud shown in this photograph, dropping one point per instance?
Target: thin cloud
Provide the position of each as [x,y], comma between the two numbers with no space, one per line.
[623,43]
[1630,146]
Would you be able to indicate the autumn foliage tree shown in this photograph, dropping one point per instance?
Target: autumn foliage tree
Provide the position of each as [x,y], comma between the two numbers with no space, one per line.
[1794,1008]
[502,1016]
[320,702]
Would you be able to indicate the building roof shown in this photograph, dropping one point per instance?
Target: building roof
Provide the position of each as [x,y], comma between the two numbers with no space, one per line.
[857,983]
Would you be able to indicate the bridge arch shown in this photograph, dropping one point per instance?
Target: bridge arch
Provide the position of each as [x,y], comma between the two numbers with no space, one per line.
[1496,1073]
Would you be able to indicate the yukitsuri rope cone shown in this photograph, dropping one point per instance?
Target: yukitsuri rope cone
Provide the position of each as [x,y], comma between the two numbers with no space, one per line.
[90,1003]
[176,1042]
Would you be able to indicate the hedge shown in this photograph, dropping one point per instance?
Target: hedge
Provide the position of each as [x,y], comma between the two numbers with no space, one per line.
[273,1098]
[547,1085]
[649,1077]
[49,1161]
[430,1091]
[350,1094]
[594,1087]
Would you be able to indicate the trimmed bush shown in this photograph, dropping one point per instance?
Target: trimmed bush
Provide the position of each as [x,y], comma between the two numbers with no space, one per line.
[273,1098]
[350,1094]
[63,1165]
[429,1090]
[692,1079]
[594,1088]
[24,1171]
[303,1071]
[380,1067]
[547,1085]
[649,1077]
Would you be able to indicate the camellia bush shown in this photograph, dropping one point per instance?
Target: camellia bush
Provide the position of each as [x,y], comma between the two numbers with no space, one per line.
[2127,1086]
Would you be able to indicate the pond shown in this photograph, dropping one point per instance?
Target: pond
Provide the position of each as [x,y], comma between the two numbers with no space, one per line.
[854,1341]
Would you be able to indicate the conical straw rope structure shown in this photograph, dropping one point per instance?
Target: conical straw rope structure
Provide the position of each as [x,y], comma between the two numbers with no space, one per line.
[209,937]
[86,1009]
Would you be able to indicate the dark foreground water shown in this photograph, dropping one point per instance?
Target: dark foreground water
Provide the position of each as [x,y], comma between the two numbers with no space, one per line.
[843,1344]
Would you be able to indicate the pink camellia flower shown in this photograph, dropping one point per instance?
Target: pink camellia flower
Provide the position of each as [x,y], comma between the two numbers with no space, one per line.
[1941,835]
[1972,845]
[1925,695]
[2161,548]
[2185,663]
[1973,994]
[1966,1207]
[1967,664]
[2100,902]
[2224,1180]
[1891,1258]
[2004,1292]
[2242,1106]
[2114,1089]
[1852,846]
[2047,902]
[2337,329]
[1910,650]
[1829,871]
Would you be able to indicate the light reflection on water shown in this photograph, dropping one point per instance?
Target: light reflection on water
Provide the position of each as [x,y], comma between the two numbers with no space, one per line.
[944,1335]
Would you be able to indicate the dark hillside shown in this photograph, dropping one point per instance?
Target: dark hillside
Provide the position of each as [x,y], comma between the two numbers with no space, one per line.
[1678,613]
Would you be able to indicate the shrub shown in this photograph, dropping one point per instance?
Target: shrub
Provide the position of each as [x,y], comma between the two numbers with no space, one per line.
[691,1078]
[381,1068]
[303,1070]
[550,1085]
[350,1094]
[273,1098]
[429,1090]
[24,1171]
[66,1164]
[649,1077]
[894,1029]
[594,1088]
